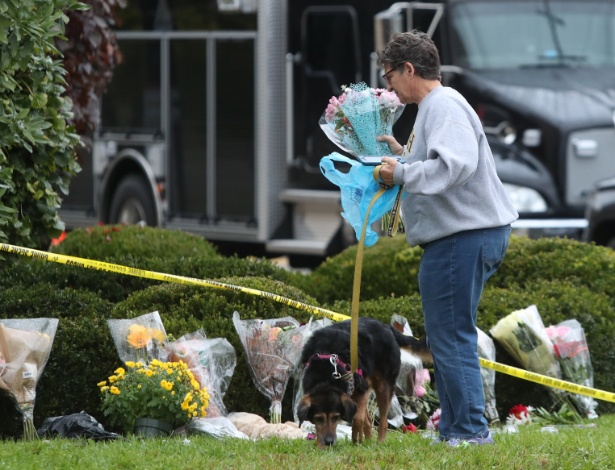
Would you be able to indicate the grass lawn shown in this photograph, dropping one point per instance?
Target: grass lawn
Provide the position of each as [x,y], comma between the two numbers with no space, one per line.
[530,448]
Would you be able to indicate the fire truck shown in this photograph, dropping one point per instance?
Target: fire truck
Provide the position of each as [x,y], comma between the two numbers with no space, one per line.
[210,124]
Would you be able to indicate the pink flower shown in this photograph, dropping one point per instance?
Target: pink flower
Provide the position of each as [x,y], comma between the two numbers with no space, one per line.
[554,332]
[433,423]
[421,377]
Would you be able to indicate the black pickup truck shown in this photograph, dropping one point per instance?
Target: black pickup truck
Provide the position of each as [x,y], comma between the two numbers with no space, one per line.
[541,75]
[600,214]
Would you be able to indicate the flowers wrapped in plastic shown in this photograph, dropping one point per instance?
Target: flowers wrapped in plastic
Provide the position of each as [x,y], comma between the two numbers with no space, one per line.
[353,120]
[273,348]
[486,350]
[25,345]
[523,335]
[211,361]
[572,353]
[139,339]
[412,380]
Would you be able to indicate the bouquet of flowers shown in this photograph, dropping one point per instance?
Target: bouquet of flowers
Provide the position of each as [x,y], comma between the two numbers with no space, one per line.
[572,353]
[25,345]
[353,120]
[167,391]
[486,350]
[523,335]
[273,348]
[211,361]
[139,339]
[412,378]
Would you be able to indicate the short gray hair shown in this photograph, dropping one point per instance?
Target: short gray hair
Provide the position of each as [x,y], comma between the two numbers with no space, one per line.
[415,47]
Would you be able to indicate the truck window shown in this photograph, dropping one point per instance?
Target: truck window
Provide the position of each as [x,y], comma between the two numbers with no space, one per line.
[514,34]
[132,101]
[330,58]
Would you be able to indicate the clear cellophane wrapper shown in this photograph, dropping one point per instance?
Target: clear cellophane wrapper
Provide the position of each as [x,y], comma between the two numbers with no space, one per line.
[211,361]
[523,335]
[139,339]
[486,350]
[25,345]
[273,348]
[410,375]
[571,350]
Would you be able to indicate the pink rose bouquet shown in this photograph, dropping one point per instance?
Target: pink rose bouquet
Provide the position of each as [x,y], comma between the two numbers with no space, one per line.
[353,120]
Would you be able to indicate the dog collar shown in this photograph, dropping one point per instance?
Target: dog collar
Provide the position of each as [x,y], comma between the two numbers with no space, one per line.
[335,361]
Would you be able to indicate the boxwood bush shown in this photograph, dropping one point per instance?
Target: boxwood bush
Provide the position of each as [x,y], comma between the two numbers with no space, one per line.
[147,248]
[106,242]
[389,268]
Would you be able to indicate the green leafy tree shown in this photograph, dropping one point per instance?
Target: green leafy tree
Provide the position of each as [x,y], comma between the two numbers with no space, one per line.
[37,153]
[56,58]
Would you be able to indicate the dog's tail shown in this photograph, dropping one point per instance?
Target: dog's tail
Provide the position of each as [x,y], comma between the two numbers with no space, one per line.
[411,344]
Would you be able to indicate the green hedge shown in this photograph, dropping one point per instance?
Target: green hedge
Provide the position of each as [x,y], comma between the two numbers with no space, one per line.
[390,268]
[147,248]
[106,242]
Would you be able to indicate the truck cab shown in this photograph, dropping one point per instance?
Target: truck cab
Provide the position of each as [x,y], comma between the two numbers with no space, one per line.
[541,76]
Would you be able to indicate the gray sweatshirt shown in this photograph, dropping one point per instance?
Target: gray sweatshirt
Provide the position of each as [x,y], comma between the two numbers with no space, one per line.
[450,174]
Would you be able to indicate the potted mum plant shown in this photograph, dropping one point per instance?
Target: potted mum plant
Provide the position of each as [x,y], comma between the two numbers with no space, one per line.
[152,399]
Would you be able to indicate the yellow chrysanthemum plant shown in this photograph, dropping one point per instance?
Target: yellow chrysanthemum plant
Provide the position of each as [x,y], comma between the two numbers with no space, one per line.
[166,391]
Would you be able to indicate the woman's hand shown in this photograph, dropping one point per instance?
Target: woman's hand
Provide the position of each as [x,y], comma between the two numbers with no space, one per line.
[395,147]
[387,169]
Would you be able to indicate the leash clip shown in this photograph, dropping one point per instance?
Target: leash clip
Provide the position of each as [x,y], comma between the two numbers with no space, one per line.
[333,361]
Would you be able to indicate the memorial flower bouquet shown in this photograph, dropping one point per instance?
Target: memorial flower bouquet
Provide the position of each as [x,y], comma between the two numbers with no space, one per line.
[25,345]
[522,333]
[572,353]
[273,348]
[166,391]
[354,119]
[211,361]
[139,339]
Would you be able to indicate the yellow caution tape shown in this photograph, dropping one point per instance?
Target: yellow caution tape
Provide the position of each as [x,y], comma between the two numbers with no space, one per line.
[116,268]
[129,271]
[548,381]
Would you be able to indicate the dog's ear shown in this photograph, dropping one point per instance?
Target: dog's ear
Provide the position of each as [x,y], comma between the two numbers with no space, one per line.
[350,408]
[303,409]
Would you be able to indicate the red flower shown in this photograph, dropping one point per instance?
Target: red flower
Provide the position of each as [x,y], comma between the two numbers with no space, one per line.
[519,411]
[410,428]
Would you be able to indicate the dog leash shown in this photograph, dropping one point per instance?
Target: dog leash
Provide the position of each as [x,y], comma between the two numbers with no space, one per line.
[358,268]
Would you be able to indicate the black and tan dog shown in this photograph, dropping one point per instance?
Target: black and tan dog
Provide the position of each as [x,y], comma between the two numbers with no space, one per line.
[333,392]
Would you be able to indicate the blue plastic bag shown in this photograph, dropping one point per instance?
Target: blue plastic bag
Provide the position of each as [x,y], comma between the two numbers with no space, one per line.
[358,187]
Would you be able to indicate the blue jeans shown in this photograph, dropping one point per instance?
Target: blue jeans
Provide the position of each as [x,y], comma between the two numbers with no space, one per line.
[452,274]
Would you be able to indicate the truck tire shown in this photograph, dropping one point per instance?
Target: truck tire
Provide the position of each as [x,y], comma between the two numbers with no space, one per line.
[133,203]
